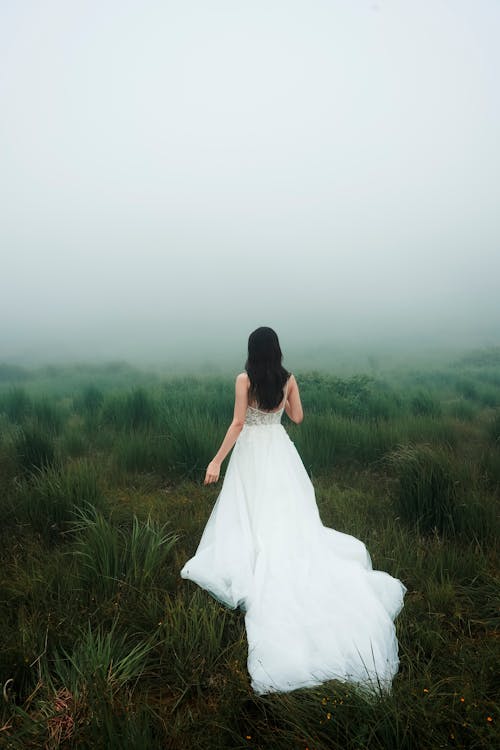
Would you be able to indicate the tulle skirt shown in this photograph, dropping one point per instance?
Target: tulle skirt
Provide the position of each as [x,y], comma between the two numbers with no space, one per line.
[315,610]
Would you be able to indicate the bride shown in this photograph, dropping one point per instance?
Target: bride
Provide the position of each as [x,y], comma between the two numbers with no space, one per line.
[315,610]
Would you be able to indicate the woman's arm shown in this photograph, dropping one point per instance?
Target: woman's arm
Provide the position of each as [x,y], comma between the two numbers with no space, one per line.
[293,406]
[240,407]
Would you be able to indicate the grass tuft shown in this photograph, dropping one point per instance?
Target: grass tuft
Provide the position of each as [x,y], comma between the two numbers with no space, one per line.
[113,556]
[47,498]
[34,450]
[428,486]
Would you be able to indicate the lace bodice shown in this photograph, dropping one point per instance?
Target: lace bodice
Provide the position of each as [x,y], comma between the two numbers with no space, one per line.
[256,416]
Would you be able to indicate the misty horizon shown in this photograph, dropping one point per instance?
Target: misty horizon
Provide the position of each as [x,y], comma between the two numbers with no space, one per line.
[176,175]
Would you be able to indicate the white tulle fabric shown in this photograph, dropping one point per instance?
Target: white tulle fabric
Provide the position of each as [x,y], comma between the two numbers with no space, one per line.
[315,610]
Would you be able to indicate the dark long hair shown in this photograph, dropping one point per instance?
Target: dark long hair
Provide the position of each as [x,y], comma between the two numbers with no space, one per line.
[267,374]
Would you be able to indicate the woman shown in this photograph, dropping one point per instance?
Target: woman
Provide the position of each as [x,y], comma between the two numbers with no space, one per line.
[315,610]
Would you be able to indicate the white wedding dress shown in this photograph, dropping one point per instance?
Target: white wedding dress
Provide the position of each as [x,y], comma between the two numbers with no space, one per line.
[315,610]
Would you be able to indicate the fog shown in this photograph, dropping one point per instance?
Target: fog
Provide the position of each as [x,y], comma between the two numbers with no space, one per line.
[175,174]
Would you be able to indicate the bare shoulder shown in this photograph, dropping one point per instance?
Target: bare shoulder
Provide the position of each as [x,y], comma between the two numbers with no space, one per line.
[242,382]
[292,383]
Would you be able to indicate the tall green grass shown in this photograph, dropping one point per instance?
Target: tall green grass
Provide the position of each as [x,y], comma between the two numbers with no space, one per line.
[494,429]
[101,661]
[438,491]
[89,401]
[194,644]
[104,646]
[183,446]
[34,450]
[83,691]
[428,487]
[47,498]
[113,556]
[16,404]
[130,411]
[325,441]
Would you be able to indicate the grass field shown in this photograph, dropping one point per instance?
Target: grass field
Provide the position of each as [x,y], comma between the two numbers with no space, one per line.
[103,645]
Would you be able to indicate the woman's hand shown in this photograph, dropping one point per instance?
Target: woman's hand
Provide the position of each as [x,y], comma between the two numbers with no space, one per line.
[213,471]
[234,429]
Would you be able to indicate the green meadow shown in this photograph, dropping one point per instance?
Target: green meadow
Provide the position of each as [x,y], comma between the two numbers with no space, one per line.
[103,645]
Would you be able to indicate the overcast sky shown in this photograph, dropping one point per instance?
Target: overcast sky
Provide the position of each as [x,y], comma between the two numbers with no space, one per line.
[186,171]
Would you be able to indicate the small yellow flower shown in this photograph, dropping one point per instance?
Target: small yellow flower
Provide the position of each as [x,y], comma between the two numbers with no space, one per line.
[328,716]
[426,690]
[462,699]
[489,718]
[248,737]
[323,701]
